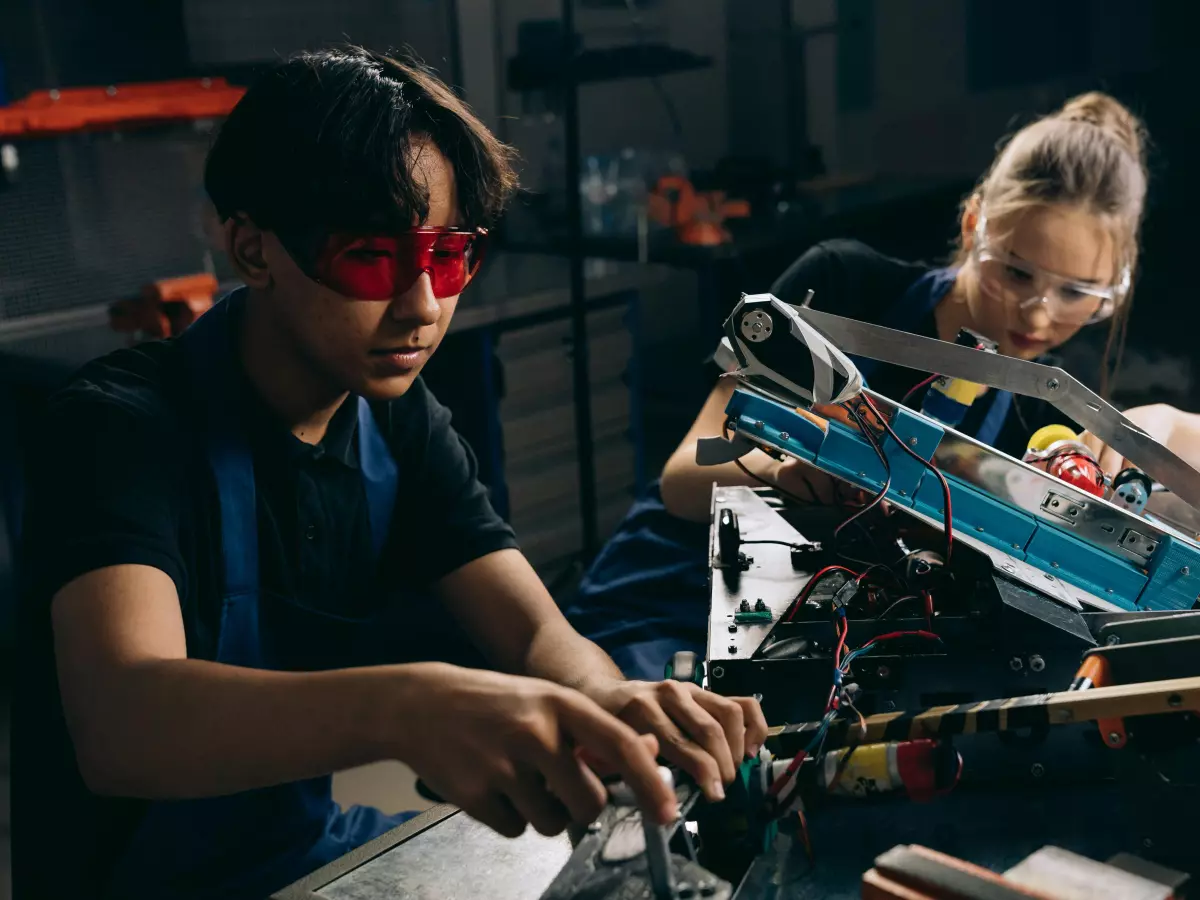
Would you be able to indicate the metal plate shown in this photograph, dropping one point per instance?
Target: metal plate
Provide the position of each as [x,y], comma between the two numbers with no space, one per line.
[769,578]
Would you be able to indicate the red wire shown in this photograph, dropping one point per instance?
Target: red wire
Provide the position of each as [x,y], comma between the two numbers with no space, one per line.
[917,387]
[812,583]
[948,514]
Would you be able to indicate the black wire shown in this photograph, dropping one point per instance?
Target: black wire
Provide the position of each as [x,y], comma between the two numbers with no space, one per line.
[794,546]
[870,436]
[947,515]
[900,602]
[787,494]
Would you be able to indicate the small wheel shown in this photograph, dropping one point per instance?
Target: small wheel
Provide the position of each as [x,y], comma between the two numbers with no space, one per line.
[685,666]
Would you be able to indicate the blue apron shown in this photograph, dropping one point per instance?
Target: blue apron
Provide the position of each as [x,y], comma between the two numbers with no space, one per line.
[253,843]
[919,301]
[645,596]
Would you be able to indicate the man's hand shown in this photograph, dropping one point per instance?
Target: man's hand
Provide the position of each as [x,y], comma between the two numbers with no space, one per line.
[703,733]
[1175,429]
[506,750]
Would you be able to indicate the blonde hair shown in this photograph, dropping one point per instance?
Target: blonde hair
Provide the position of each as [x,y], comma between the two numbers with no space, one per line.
[1089,155]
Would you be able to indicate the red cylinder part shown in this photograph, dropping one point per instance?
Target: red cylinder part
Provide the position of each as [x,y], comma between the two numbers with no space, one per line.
[917,767]
[1079,471]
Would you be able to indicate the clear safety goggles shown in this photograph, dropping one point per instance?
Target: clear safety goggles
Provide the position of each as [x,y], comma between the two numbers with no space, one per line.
[1008,279]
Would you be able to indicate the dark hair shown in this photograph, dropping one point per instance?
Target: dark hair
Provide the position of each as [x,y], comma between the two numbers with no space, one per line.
[324,140]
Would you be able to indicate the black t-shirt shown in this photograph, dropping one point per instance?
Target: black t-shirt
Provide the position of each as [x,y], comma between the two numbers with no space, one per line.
[850,279]
[118,475]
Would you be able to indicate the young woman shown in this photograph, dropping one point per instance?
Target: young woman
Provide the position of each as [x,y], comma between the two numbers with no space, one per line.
[1048,245]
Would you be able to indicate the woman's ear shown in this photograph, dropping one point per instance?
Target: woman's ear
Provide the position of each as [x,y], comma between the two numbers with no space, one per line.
[244,244]
[970,220]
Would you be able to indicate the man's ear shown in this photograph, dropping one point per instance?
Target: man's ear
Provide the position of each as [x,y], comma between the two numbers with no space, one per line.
[244,244]
[970,219]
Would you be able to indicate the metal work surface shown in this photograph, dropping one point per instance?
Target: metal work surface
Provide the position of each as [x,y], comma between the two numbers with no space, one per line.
[441,855]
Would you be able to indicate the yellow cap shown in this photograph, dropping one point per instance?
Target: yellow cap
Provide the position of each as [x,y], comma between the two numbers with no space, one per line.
[1050,434]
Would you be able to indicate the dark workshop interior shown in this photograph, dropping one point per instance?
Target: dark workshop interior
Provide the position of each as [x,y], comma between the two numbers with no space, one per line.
[672,158]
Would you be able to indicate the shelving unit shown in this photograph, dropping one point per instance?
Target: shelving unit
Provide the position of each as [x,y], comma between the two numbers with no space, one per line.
[564,74]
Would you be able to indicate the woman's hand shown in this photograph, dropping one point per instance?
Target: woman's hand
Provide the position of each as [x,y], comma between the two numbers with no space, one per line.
[1175,429]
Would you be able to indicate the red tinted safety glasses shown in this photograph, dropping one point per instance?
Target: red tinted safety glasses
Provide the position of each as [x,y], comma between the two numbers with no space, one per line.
[380,267]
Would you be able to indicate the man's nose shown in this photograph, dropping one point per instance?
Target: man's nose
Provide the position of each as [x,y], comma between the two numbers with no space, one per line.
[417,304]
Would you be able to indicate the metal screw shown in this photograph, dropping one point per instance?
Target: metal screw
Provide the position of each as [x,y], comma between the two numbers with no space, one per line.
[912,442]
[1147,843]
[1036,663]
[758,424]
[883,672]
[1016,664]
[862,474]
[888,705]
[979,528]
[1054,565]
[1186,570]
[1113,640]
[903,493]
[1052,384]
[54,94]
[783,435]
[206,83]
[1114,738]
[733,648]
[718,672]
[1037,770]
[758,697]
[1016,546]
[1174,700]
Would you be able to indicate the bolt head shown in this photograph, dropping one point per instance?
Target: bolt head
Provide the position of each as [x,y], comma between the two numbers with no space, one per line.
[912,442]
[1147,843]
[1036,663]
[718,672]
[883,672]
[783,435]
[1016,664]
[758,424]
[1052,384]
[1186,570]
[1037,770]
[888,705]
[1114,738]
[1113,640]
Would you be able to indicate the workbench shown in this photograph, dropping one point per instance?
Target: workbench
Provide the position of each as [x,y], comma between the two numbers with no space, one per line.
[440,855]
[444,855]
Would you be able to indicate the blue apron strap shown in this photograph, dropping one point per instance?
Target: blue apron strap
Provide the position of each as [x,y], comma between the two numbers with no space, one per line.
[379,475]
[997,413]
[922,296]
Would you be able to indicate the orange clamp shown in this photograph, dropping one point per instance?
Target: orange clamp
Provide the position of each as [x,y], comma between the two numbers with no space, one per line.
[165,308]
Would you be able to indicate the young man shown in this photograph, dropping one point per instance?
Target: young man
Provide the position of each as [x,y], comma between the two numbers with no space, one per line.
[222,527]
